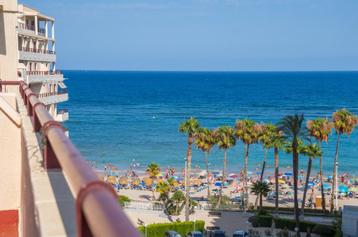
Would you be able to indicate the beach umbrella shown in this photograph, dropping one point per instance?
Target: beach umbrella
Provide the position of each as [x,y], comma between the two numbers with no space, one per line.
[281,181]
[288,173]
[310,184]
[148,181]
[326,186]
[123,180]
[218,183]
[136,182]
[234,176]
[342,188]
[196,182]
[111,179]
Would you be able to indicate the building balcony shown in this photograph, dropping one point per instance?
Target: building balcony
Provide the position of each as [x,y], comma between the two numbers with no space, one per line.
[53,97]
[62,115]
[44,77]
[40,55]
[29,30]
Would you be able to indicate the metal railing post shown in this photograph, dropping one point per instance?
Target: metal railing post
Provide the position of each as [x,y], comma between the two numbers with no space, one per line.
[50,158]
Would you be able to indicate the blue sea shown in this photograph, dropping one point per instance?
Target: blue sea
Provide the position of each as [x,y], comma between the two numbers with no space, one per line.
[120,117]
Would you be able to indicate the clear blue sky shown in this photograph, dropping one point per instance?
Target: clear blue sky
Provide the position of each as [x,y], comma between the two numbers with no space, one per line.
[204,34]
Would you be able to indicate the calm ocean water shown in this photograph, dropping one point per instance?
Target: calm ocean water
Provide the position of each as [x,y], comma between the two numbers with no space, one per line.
[117,117]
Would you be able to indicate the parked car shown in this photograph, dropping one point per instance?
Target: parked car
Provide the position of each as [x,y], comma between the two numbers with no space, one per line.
[240,233]
[194,234]
[172,233]
[236,199]
[216,233]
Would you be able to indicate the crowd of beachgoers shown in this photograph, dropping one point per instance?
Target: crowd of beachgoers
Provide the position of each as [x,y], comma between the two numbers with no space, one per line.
[137,183]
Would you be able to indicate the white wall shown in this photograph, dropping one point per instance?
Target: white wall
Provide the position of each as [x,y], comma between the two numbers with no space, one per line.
[8,40]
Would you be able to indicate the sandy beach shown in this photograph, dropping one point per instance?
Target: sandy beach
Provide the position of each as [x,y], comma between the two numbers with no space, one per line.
[141,209]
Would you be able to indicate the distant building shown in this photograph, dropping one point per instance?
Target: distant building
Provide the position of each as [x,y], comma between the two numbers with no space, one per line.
[350,221]
[28,54]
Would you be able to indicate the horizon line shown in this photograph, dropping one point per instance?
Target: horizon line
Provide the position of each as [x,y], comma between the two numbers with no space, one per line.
[214,71]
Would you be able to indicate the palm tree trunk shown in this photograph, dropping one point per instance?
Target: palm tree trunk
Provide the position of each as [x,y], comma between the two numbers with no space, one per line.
[260,201]
[262,174]
[295,185]
[245,197]
[306,185]
[276,178]
[335,180]
[187,178]
[263,165]
[153,194]
[207,172]
[321,181]
[223,180]
[177,208]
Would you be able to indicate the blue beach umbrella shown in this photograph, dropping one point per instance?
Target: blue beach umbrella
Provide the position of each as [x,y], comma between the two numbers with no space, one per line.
[288,173]
[342,189]
[326,186]
[218,183]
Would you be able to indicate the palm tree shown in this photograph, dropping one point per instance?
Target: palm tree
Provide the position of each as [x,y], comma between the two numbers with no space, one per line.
[272,137]
[178,199]
[291,126]
[225,139]
[311,151]
[153,170]
[247,131]
[320,129]
[264,137]
[163,189]
[189,127]
[260,189]
[205,141]
[344,123]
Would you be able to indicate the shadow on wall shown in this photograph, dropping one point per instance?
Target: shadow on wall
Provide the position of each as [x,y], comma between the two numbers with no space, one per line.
[2,33]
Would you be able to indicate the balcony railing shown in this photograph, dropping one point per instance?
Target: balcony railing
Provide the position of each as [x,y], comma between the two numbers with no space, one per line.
[63,91]
[43,51]
[97,210]
[26,27]
[44,73]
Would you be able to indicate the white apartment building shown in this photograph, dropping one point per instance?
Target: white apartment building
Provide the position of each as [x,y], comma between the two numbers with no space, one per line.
[34,41]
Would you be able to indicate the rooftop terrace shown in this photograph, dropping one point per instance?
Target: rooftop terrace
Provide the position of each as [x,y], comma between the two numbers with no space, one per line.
[48,189]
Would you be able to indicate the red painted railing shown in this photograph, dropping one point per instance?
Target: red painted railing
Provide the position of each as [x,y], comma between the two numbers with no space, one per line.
[44,51]
[41,73]
[98,212]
